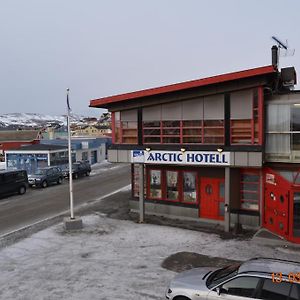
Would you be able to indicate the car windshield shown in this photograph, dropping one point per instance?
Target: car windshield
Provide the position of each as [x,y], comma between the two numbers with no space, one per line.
[40,172]
[222,274]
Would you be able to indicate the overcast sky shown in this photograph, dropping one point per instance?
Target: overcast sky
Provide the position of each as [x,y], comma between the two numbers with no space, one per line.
[100,48]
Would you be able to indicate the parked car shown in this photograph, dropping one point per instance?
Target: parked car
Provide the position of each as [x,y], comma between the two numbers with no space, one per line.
[258,278]
[13,182]
[46,176]
[79,168]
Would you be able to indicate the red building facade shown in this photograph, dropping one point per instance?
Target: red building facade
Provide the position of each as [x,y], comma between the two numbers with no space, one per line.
[215,149]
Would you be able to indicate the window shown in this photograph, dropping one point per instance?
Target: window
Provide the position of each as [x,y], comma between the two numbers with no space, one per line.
[250,189]
[278,129]
[172,185]
[244,115]
[155,184]
[241,286]
[171,132]
[275,291]
[192,132]
[222,275]
[125,127]
[213,132]
[283,130]
[152,132]
[199,121]
[189,187]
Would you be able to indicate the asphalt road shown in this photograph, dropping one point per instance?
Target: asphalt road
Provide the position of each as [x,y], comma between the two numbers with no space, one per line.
[39,204]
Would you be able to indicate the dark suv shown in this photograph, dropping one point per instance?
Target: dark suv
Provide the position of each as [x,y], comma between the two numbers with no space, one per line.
[46,176]
[79,168]
[13,182]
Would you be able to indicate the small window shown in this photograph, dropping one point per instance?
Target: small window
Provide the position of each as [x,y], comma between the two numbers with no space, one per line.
[155,184]
[241,286]
[189,187]
[274,290]
[172,185]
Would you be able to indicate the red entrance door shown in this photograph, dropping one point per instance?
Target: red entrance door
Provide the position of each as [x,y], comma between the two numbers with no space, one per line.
[212,198]
[276,208]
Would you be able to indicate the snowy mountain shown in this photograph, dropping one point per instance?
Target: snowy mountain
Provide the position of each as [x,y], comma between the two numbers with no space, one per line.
[33,120]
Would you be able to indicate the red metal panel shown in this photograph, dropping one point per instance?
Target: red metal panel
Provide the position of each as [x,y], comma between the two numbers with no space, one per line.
[102,102]
[276,203]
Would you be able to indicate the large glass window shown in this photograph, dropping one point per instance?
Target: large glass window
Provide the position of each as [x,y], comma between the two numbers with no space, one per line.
[244,116]
[278,129]
[283,130]
[170,185]
[199,121]
[250,189]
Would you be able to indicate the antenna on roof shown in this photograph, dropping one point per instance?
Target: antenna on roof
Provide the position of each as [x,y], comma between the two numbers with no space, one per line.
[285,46]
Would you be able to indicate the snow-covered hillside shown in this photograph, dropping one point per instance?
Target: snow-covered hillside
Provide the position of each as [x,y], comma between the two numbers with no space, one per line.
[35,120]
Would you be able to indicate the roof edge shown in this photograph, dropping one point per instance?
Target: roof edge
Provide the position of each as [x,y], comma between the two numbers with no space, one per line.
[100,102]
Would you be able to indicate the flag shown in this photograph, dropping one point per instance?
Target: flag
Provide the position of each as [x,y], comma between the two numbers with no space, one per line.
[68,104]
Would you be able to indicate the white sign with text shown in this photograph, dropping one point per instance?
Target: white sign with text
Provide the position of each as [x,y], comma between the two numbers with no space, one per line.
[181,158]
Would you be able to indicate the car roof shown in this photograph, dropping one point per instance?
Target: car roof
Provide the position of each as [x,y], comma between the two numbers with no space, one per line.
[269,265]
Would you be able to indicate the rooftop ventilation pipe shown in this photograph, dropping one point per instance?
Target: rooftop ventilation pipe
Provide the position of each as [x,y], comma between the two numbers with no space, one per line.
[275,56]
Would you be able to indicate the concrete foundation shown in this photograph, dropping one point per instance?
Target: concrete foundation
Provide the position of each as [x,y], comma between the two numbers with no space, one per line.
[73,224]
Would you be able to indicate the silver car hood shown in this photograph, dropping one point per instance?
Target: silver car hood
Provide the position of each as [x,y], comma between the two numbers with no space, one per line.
[193,278]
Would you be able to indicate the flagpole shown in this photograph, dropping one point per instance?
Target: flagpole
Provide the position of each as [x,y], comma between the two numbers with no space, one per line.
[70,158]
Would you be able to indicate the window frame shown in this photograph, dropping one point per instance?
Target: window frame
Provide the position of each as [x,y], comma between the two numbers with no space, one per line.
[254,129]
[255,292]
[180,183]
[118,127]
[242,190]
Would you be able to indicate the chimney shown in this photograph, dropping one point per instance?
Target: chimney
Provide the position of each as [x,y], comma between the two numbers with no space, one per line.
[275,56]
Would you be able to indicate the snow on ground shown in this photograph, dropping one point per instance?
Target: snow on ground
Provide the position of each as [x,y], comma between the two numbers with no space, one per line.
[108,259]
